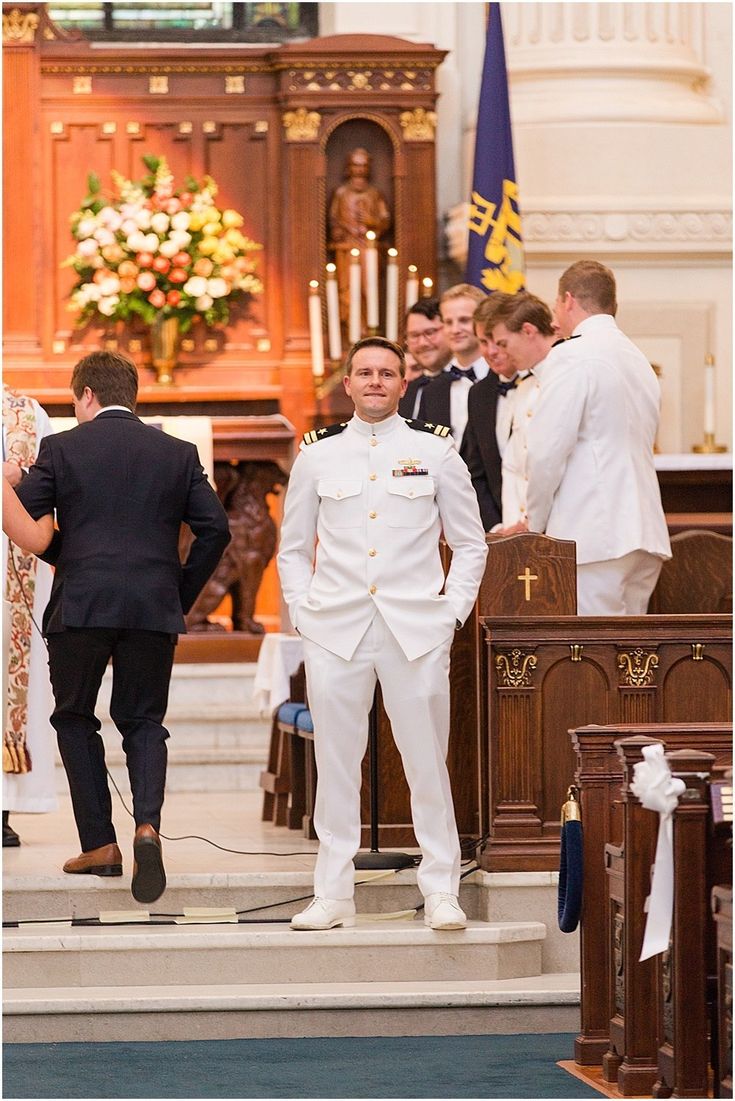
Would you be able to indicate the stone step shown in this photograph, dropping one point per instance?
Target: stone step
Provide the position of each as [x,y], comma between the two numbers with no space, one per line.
[161,955]
[447,1007]
[494,897]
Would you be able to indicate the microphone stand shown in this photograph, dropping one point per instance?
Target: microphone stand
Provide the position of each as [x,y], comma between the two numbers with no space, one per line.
[376,860]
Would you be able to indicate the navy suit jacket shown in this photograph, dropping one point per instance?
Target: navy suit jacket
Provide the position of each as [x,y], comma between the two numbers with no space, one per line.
[435,407]
[121,490]
[480,449]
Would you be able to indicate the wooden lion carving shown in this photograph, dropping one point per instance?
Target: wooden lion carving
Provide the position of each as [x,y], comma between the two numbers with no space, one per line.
[243,490]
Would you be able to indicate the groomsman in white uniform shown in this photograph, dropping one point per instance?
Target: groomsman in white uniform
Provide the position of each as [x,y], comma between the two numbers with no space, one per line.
[522,330]
[374,495]
[590,450]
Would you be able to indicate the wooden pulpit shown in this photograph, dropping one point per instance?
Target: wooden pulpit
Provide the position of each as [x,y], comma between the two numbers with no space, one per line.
[528,574]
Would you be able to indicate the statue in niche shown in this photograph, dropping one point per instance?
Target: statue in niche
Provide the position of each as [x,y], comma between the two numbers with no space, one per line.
[243,490]
[356,207]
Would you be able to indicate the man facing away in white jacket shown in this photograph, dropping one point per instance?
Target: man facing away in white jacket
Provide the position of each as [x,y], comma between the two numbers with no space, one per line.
[371,603]
[591,475]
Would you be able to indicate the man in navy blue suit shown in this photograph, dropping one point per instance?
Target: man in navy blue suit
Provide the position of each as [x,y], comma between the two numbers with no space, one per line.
[121,490]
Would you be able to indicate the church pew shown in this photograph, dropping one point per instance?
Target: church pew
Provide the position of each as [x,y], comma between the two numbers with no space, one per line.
[547,675]
[722,913]
[700,858]
[599,776]
[634,990]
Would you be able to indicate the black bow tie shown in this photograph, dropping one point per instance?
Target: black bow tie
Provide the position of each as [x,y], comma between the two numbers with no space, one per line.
[506,387]
[457,372]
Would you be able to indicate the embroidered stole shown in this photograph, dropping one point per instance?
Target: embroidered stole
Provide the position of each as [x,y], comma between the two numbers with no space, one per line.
[19,419]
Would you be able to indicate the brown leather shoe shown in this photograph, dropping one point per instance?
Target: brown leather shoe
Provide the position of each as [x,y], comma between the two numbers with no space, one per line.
[107,860]
[149,877]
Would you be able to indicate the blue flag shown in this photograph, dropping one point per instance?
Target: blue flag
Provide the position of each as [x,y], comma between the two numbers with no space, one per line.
[495,259]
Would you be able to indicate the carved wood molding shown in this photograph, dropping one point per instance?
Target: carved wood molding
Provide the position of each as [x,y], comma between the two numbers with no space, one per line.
[19,27]
[637,667]
[515,668]
[301,124]
[418,125]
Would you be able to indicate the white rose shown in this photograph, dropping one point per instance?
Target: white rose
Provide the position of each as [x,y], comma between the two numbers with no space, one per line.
[168,248]
[128,226]
[181,238]
[107,306]
[203,302]
[151,242]
[217,288]
[142,218]
[136,241]
[109,286]
[180,220]
[91,291]
[159,222]
[109,218]
[195,286]
[88,247]
[86,227]
[104,237]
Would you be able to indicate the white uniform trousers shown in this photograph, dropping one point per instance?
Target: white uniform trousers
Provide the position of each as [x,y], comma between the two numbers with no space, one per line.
[416,698]
[619,586]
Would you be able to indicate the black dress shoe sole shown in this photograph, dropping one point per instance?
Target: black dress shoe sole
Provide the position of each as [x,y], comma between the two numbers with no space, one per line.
[96,869]
[11,841]
[149,878]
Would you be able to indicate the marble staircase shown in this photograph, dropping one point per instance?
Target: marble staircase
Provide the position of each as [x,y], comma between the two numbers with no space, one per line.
[389,974]
[166,977]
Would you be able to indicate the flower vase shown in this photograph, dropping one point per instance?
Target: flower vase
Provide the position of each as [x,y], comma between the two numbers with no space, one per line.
[164,343]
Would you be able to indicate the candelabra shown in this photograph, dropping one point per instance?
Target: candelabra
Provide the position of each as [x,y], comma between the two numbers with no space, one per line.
[709,447]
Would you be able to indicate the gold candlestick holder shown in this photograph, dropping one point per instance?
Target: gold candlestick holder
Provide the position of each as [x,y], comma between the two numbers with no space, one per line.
[709,447]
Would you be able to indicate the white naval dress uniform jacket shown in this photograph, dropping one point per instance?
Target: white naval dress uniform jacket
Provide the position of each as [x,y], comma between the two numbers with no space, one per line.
[590,446]
[377,528]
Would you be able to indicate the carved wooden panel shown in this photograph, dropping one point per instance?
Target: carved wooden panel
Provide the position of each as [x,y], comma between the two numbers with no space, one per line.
[588,669]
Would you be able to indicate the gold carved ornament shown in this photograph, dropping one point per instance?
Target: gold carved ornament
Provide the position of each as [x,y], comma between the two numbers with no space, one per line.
[418,125]
[514,668]
[637,667]
[301,125]
[19,28]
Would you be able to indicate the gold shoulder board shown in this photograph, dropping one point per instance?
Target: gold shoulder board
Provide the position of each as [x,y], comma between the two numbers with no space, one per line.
[427,426]
[323,433]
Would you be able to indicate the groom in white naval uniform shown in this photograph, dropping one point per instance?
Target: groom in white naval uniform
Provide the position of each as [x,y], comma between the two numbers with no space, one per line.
[591,476]
[374,495]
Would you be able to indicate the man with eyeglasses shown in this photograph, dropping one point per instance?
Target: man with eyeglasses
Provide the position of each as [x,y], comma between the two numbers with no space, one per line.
[426,341]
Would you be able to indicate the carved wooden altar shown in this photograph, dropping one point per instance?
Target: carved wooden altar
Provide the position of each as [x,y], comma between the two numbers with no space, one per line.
[270,124]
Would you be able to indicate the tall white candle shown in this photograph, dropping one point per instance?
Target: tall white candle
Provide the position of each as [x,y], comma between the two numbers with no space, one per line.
[391,295]
[427,287]
[412,286]
[333,326]
[371,279]
[709,395]
[355,321]
[315,330]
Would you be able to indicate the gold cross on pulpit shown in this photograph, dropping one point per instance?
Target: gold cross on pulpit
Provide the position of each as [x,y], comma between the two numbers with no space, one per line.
[527,578]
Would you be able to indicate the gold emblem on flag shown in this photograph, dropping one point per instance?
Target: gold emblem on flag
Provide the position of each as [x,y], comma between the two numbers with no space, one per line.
[503,247]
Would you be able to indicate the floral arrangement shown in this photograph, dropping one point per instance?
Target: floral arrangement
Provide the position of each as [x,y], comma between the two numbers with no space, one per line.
[158,252]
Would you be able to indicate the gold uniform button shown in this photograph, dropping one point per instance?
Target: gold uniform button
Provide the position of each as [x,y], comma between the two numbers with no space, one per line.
[372,515]
[373,589]
[373,477]
[373,441]
[372,552]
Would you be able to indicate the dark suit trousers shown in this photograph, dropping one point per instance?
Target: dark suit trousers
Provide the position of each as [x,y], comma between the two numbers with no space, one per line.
[141,671]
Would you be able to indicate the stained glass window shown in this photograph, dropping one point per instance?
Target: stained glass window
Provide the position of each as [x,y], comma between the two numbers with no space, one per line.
[190,21]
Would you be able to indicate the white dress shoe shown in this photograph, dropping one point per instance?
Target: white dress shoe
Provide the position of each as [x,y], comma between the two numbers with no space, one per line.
[325,913]
[442,911]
